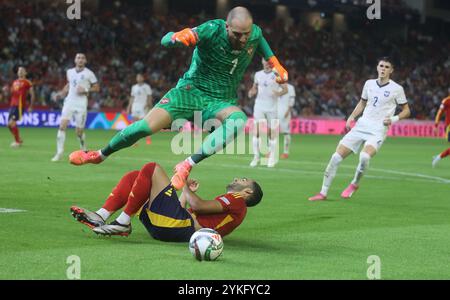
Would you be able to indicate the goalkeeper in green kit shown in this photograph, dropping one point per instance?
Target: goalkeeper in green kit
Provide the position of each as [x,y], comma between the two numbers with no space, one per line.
[222,52]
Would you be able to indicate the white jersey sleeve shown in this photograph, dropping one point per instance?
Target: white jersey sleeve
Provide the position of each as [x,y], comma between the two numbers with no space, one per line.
[364,94]
[400,96]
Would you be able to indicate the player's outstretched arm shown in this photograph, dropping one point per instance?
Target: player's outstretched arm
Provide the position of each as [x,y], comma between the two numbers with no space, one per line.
[186,37]
[267,53]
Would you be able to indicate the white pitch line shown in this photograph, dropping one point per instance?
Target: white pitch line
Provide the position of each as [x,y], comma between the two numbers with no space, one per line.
[10,210]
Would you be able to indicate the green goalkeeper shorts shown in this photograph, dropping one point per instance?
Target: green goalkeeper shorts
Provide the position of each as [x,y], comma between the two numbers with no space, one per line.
[183,101]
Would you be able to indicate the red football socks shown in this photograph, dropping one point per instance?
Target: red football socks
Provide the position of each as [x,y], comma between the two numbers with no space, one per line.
[445,153]
[119,195]
[140,192]
[15,132]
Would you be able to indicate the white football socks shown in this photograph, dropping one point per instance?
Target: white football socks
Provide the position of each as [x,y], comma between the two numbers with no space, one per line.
[364,159]
[124,219]
[82,140]
[330,172]
[103,213]
[60,139]
[287,143]
[256,141]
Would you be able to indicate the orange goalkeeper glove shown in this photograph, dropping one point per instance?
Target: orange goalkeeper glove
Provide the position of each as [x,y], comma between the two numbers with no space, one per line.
[186,36]
[280,72]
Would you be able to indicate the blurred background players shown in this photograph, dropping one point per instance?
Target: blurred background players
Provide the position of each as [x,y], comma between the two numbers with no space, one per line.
[285,106]
[141,101]
[443,109]
[80,82]
[19,91]
[265,114]
[379,100]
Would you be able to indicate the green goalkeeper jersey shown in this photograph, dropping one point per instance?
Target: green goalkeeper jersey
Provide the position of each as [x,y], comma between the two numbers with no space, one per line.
[216,68]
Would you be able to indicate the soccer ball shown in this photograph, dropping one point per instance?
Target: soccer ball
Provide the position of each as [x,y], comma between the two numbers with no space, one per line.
[206,244]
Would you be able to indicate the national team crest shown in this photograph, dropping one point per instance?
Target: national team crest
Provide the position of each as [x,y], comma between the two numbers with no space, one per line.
[387,93]
[164,101]
[250,51]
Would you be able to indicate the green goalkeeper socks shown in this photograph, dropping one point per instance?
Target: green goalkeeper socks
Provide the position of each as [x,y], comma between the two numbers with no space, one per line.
[127,137]
[220,137]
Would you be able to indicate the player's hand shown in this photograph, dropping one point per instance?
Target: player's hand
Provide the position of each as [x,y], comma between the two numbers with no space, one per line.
[81,90]
[186,36]
[387,122]
[278,69]
[30,109]
[286,115]
[436,130]
[348,124]
[192,184]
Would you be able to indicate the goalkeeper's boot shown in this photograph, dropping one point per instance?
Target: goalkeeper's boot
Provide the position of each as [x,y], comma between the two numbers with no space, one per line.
[81,157]
[88,218]
[113,228]
[348,192]
[182,171]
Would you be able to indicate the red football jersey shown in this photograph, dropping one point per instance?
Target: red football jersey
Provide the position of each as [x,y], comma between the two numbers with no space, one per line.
[445,107]
[19,90]
[234,211]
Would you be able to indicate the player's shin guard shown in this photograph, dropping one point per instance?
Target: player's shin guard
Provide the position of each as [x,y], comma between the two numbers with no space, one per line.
[15,132]
[60,139]
[220,137]
[127,137]
[330,172]
[119,195]
[364,159]
[140,192]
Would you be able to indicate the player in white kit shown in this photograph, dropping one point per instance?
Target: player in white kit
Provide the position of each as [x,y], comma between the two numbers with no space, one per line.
[141,100]
[379,100]
[285,106]
[80,82]
[267,92]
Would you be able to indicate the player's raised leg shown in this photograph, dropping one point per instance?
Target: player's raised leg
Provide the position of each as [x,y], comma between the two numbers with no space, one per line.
[115,201]
[364,159]
[330,172]
[153,122]
[440,156]
[233,122]
[150,180]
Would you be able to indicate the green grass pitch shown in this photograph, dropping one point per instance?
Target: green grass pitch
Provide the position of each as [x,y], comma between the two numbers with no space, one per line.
[400,214]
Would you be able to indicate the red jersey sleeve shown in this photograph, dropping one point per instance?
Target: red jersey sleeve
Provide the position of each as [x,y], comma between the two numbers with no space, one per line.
[232,203]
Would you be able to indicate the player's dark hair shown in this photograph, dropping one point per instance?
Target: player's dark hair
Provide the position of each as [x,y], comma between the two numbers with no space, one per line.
[256,196]
[386,59]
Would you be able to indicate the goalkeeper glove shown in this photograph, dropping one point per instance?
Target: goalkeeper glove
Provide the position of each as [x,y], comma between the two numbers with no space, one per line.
[187,37]
[280,72]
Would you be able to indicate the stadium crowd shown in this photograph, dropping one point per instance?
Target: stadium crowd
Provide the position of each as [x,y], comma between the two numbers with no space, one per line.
[327,68]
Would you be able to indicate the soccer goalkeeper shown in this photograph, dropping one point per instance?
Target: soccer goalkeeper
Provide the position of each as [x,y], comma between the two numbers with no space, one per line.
[222,52]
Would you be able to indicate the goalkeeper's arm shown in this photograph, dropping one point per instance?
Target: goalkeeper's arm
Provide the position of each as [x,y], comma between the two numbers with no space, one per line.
[186,37]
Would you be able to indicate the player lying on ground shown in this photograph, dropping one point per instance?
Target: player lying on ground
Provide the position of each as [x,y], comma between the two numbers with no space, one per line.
[149,194]
[223,51]
[443,109]
[379,100]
